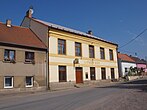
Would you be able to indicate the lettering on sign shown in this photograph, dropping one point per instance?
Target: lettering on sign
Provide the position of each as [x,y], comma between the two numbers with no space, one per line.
[92,62]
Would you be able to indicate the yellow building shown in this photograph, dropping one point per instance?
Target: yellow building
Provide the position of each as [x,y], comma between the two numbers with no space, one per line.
[73,56]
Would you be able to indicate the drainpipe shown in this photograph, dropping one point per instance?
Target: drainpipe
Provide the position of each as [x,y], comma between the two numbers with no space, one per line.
[47,70]
[47,64]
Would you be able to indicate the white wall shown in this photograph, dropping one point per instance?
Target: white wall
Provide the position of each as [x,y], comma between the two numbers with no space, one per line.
[126,65]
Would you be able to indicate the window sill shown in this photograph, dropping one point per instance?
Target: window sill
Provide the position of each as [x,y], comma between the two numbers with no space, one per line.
[8,87]
[29,62]
[13,61]
[29,86]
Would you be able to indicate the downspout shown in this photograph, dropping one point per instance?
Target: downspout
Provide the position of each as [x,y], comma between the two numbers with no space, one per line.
[47,63]
[117,62]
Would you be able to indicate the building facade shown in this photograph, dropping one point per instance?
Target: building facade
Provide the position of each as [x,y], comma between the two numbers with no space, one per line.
[74,57]
[22,59]
[125,62]
[140,63]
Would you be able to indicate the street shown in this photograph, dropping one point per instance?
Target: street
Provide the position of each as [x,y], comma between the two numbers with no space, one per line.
[126,96]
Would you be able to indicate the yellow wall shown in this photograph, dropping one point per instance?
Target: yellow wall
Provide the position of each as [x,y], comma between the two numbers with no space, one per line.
[55,59]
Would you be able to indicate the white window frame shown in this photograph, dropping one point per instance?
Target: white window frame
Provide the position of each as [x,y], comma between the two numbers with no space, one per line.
[32,80]
[5,82]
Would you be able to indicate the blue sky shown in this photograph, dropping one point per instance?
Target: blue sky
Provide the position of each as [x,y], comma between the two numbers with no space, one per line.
[115,20]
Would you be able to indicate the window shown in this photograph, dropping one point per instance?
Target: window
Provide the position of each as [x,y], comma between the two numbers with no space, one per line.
[61,46]
[29,56]
[8,82]
[102,53]
[91,51]
[103,73]
[111,54]
[62,73]
[78,49]
[92,73]
[9,55]
[126,70]
[112,73]
[29,81]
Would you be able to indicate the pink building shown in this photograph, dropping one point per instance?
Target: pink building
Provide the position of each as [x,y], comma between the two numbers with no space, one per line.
[140,63]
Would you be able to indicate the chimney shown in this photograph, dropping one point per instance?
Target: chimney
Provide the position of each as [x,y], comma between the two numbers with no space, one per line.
[8,23]
[90,32]
[29,12]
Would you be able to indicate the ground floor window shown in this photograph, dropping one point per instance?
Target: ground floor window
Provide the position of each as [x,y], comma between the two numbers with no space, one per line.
[62,74]
[29,81]
[103,73]
[8,82]
[112,73]
[92,73]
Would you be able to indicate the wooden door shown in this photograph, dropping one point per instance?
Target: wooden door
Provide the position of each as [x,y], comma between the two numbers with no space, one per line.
[79,75]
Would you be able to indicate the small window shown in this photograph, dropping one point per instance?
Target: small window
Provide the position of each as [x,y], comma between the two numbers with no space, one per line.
[29,81]
[61,46]
[9,55]
[111,54]
[91,51]
[8,82]
[29,56]
[78,49]
[126,70]
[102,53]
[62,73]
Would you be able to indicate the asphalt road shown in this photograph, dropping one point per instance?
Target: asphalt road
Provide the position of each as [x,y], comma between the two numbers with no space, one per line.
[128,96]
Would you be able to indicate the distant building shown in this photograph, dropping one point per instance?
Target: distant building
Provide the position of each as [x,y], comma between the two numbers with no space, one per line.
[74,57]
[125,62]
[141,63]
[22,59]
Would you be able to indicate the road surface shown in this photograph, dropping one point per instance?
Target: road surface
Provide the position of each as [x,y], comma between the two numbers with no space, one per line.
[128,96]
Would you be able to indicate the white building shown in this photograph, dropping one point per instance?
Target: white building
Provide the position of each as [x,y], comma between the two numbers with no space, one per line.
[125,62]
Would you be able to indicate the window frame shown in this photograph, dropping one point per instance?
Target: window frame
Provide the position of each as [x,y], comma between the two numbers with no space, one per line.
[78,47]
[32,81]
[103,73]
[111,53]
[91,49]
[92,72]
[102,53]
[29,60]
[60,44]
[112,72]
[61,73]
[12,82]
[9,50]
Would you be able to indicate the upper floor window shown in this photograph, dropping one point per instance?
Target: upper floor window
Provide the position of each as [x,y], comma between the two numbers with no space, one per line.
[111,54]
[61,46]
[29,56]
[91,51]
[78,49]
[102,53]
[9,55]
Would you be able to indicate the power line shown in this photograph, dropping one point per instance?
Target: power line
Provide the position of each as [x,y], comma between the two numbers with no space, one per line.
[133,39]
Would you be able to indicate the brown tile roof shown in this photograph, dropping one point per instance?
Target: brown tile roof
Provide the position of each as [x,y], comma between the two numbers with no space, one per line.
[19,36]
[125,57]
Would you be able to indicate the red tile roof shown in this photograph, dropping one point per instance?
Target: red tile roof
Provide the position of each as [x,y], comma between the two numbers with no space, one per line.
[19,36]
[125,57]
